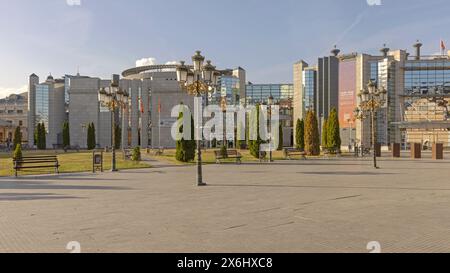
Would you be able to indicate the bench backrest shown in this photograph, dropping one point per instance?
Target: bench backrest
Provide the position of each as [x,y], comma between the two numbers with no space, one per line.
[36,159]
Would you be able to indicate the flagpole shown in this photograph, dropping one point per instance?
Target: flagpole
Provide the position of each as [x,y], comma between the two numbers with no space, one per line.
[159,123]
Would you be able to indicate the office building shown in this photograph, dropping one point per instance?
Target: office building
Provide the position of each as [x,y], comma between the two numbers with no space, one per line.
[155,91]
[47,106]
[283,95]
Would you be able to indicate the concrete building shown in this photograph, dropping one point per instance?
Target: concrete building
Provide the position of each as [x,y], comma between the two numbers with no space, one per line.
[155,91]
[46,105]
[316,88]
[327,96]
[418,95]
[13,114]
[32,82]
[84,108]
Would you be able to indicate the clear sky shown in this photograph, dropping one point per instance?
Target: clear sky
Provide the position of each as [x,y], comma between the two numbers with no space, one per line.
[265,37]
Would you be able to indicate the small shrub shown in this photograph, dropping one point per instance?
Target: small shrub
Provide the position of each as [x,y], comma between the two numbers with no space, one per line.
[136,154]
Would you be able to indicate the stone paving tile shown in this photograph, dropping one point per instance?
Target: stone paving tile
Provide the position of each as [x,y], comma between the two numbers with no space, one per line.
[289,206]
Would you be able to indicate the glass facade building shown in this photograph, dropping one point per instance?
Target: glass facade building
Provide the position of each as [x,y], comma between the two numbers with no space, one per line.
[283,95]
[260,93]
[309,89]
[42,104]
[427,76]
[229,87]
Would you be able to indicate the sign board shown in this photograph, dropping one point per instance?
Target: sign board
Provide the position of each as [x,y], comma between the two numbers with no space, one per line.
[97,161]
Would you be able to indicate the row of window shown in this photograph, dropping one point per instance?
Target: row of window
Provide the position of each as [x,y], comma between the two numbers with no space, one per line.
[11,111]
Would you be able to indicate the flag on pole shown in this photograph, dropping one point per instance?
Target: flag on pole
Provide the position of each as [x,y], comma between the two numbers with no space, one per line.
[142,106]
[443,47]
[159,105]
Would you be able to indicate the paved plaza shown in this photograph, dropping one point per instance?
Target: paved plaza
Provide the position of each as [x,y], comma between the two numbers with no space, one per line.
[289,206]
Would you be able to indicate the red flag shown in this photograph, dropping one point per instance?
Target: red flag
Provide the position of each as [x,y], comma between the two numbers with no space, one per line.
[159,105]
[443,47]
[142,107]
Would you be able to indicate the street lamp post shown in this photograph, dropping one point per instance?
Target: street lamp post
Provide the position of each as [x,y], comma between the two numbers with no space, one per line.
[223,105]
[371,100]
[113,98]
[197,81]
[270,103]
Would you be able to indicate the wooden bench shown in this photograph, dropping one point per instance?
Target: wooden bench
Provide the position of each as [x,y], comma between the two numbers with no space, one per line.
[289,153]
[230,154]
[36,162]
[158,152]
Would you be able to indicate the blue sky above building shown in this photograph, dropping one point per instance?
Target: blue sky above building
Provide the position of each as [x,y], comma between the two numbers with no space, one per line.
[102,37]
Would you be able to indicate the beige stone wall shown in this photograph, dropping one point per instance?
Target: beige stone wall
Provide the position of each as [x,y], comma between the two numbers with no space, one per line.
[299,67]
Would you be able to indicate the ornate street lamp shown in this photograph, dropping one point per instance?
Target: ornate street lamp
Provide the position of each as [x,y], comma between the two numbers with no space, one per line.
[371,100]
[113,98]
[197,81]
[223,106]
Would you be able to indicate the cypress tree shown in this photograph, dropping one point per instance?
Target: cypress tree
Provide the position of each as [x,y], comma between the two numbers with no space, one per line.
[255,145]
[91,137]
[18,152]
[66,135]
[118,136]
[17,137]
[325,134]
[312,147]
[185,149]
[280,138]
[334,135]
[300,134]
[36,134]
[42,134]
[88,137]
[92,142]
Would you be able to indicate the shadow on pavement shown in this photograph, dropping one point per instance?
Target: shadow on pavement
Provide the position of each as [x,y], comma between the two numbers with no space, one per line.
[325,187]
[32,196]
[33,185]
[345,173]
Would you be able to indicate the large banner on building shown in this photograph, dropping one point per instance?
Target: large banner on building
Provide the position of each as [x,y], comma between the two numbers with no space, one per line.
[347,92]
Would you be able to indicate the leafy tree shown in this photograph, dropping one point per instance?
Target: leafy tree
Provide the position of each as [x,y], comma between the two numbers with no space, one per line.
[66,135]
[300,134]
[325,134]
[333,132]
[312,142]
[17,137]
[185,151]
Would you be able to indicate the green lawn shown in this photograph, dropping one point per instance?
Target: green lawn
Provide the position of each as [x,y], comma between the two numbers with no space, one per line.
[70,162]
[209,158]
